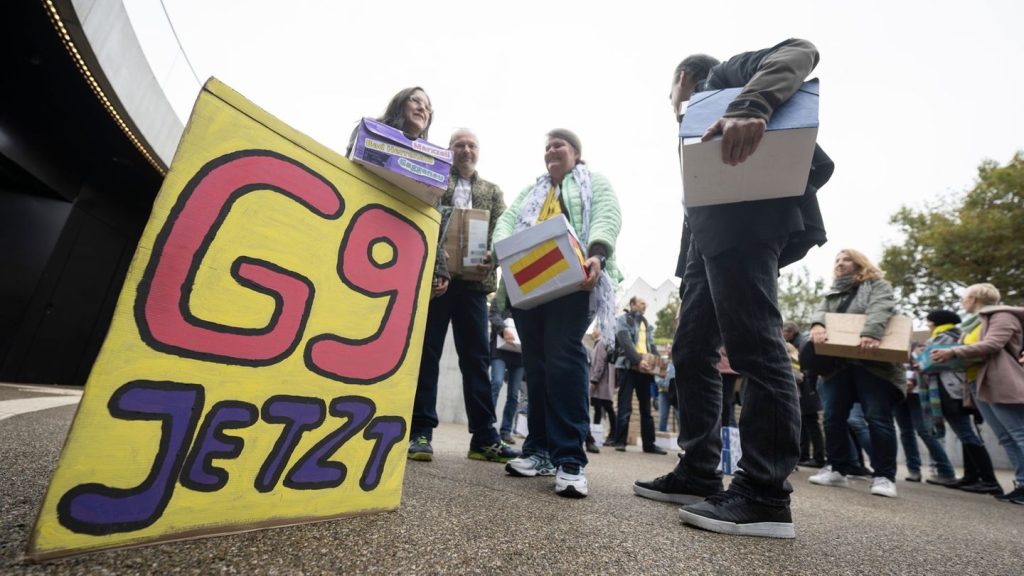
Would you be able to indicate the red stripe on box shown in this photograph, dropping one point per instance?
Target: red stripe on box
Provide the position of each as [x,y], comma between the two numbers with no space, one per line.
[538,266]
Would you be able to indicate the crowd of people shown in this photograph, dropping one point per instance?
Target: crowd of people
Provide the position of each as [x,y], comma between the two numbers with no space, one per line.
[730,344]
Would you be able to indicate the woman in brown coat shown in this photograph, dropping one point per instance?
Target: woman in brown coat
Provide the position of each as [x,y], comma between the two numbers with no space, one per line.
[999,386]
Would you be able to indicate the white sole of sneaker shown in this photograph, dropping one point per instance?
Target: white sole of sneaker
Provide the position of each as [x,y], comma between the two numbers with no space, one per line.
[663,497]
[883,493]
[513,471]
[760,529]
[841,484]
[571,492]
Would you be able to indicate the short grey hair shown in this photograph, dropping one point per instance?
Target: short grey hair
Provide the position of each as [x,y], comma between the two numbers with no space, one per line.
[462,132]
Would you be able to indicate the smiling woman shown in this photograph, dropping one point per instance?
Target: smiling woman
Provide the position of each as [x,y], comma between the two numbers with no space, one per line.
[409,110]
[552,333]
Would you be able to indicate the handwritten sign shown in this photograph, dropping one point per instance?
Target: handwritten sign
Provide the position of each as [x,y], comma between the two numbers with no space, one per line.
[261,364]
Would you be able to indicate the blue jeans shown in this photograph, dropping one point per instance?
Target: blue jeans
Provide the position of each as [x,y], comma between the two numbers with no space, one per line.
[732,298]
[556,377]
[664,407]
[860,434]
[1007,421]
[466,310]
[854,383]
[630,380]
[910,419]
[515,379]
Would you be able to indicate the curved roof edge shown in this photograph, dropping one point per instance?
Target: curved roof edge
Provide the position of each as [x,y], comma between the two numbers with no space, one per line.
[100,37]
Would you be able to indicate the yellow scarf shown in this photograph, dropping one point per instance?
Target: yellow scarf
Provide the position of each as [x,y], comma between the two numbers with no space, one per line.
[972,337]
[551,207]
[940,329]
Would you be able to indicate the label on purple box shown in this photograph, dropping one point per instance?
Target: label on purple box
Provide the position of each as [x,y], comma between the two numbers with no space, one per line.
[420,170]
[397,151]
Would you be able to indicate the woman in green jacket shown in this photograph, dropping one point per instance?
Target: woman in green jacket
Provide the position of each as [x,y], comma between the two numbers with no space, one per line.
[552,333]
[858,288]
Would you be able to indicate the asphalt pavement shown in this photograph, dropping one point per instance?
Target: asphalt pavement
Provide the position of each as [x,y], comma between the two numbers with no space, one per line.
[460,516]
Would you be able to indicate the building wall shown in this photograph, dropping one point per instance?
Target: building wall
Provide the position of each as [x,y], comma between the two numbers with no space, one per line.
[75,193]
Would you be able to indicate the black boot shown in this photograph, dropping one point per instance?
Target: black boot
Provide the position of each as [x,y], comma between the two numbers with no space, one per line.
[987,483]
[970,471]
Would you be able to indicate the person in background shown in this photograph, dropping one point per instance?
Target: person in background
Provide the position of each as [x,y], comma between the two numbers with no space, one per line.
[602,383]
[791,333]
[730,378]
[913,424]
[552,333]
[635,340]
[463,304]
[858,288]
[812,440]
[994,335]
[666,396]
[504,362]
[946,389]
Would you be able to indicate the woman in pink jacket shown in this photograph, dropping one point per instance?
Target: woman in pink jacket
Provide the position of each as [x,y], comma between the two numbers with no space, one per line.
[999,386]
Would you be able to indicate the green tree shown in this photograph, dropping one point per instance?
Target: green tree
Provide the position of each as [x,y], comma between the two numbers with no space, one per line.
[799,296]
[960,240]
[665,329]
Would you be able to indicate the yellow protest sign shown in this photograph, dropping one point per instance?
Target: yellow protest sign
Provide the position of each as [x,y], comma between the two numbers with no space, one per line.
[262,360]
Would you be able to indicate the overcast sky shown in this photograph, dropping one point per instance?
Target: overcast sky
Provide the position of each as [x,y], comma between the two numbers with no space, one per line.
[914,94]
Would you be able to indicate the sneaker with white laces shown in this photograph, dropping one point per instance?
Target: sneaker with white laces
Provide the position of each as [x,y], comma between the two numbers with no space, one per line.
[570,482]
[530,466]
[882,486]
[732,513]
[828,477]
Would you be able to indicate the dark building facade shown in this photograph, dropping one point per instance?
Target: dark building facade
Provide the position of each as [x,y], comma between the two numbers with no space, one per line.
[75,193]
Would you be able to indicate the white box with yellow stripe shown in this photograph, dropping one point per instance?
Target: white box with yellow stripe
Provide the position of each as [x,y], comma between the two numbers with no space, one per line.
[541,263]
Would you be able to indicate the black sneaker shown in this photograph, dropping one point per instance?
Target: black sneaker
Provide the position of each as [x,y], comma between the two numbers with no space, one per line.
[1015,496]
[731,513]
[672,488]
[860,473]
[983,487]
[655,450]
[592,448]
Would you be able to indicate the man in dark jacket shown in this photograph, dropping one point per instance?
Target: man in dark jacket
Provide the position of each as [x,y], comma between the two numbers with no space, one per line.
[730,296]
[634,338]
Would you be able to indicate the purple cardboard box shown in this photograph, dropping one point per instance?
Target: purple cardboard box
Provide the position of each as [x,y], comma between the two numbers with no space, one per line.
[416,166]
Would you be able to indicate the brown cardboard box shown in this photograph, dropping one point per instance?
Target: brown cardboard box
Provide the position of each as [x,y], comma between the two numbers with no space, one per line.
[844,339]
[659,365]
[466,242]
[920,336]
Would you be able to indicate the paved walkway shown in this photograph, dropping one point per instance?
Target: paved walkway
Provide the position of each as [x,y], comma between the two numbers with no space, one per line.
[465,517]
[35,398]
